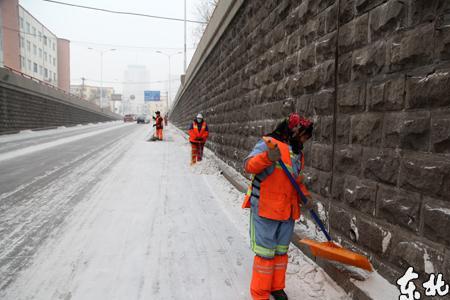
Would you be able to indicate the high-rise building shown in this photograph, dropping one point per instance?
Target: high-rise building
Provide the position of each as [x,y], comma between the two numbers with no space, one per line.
[92,93]
[31,48]
[136,78]
[136,82]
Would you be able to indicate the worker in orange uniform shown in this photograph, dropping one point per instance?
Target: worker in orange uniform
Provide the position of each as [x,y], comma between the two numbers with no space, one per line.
[159,126]
[275,204]
[198,134]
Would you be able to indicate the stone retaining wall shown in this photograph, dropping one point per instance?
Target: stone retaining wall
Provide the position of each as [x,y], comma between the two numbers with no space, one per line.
[375,77]
[26,104]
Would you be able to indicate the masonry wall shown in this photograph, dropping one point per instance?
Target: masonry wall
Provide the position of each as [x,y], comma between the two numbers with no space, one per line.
[26,104]
[375,77]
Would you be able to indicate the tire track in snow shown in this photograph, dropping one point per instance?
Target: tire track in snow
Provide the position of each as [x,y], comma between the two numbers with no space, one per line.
[33,216]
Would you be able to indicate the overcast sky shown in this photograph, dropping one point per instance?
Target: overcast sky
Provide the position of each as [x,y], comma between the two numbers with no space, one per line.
[87,28]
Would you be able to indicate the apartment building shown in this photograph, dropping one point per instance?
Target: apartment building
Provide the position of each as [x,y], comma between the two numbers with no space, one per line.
[27,45]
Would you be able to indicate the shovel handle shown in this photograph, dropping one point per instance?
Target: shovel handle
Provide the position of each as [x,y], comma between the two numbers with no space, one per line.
[316,218]
[304,200]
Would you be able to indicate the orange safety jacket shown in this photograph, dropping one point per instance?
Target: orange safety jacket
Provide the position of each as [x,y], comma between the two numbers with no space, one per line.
[197,135]
[278,199]
[159,122]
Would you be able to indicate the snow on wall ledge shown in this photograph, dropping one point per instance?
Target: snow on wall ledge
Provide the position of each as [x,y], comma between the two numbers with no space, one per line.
[374,76]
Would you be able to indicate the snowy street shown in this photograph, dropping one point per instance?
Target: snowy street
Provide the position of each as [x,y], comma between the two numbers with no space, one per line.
[96,212]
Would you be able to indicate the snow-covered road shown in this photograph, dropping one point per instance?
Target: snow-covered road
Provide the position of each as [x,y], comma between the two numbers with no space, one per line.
[110,216]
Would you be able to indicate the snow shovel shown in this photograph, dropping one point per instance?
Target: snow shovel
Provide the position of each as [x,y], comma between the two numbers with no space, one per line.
[328,250]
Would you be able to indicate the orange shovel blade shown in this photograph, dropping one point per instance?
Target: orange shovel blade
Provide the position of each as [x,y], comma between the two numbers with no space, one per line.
[332,251]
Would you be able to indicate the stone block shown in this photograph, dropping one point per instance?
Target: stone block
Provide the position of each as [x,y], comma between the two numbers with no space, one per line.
[360,194]
[407,130]
[388,95]
[407,251]
[340,219]
[332,18]
[310,31]
[354,34]
[351,98]
[307,58]
[347,11]
[427,174]
[367,129]
[422,11]
[363,6]
[373,236]
[303,12]
[310,79]
[322,157]
[326,48]
[387,19]
[443,37]
[343,129]
[413,48]
[295,87]
[436,216]
[304,105]
[440,134]
[324,4]
[290,65]
[348,159]
[399,207]
[428,90]
[321,183]
[323,102]
[326,132]
[369,61]
[337,190]
[326,75]
[345,68]
[381,165]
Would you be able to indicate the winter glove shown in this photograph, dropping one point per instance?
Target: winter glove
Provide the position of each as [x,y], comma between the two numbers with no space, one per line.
[274,154]
[309,204]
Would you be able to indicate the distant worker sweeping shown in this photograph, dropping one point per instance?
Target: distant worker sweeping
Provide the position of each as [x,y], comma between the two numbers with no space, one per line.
[274,203]
[198,134]
[159,126]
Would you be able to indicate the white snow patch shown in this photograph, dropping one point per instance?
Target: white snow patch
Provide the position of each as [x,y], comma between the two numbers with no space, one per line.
[386,240]
[428,265]
[440,209]
[378,288]
[354,228]
[349,191]
[429,168]
[40,147]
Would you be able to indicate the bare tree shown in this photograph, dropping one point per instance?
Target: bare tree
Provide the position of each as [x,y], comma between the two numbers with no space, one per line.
[205,9]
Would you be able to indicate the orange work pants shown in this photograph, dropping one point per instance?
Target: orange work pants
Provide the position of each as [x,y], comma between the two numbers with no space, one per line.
[159,134]
[196,152]
[268,275]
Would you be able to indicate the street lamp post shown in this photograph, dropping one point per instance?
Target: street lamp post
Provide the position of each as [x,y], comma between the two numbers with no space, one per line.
[169,56]
[101,71]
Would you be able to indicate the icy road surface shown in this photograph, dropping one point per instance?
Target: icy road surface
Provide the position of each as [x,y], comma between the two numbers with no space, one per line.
[95,212]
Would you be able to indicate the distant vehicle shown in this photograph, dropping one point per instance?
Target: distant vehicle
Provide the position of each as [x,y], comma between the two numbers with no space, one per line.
[128,118]
[143,119]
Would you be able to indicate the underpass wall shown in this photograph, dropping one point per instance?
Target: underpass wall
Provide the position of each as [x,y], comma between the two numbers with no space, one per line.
[27,104]
[375,77]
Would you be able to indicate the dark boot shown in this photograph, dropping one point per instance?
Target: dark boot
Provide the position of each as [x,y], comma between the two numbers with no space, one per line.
[279,295]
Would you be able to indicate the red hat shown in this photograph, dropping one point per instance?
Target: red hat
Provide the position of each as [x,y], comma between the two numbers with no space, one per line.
[305,123]
[293,121]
